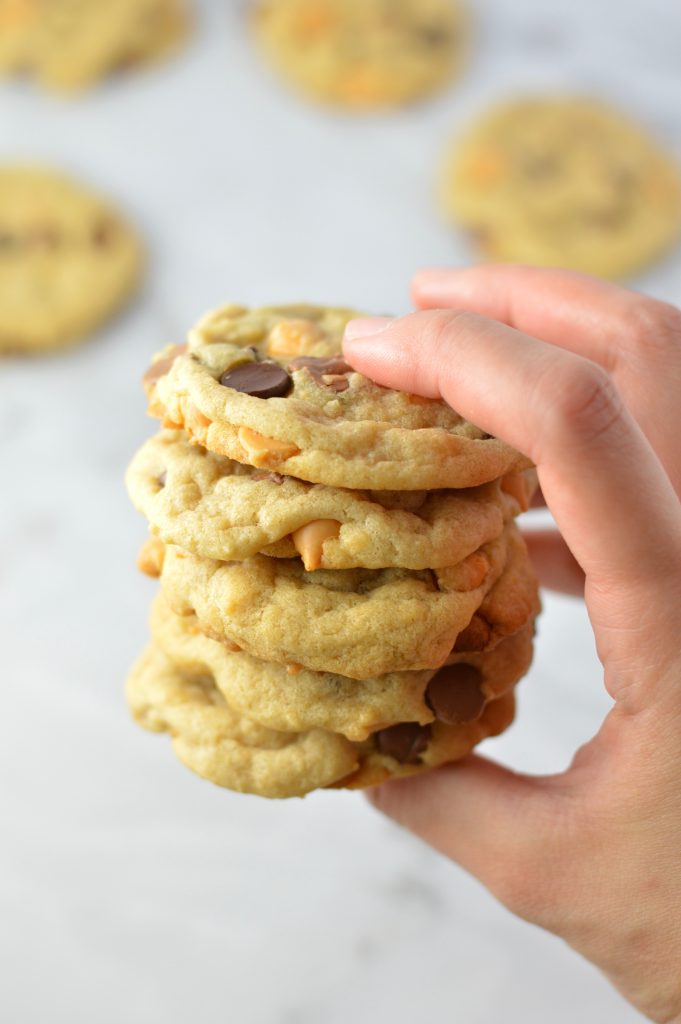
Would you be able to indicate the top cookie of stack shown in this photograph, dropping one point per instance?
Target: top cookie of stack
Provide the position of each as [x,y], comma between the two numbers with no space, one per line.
[322,421]
[344,613]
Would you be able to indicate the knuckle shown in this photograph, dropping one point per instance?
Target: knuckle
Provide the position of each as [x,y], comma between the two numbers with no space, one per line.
[654,326]
[587,403]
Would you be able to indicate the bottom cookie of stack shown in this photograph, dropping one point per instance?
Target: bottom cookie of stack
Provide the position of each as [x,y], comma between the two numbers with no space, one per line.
[254,727]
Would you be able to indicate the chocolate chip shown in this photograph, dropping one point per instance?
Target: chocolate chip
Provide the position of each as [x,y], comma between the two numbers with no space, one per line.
[103,233]
[434,36]
[454,695]
[403,742]
[260,380]
[476,636]
[162,366]
[328,373]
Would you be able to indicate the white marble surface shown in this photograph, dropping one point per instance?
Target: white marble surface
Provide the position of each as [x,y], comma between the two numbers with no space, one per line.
[129,890]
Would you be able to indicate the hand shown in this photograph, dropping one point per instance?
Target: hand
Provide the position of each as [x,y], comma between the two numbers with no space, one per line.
[585,378]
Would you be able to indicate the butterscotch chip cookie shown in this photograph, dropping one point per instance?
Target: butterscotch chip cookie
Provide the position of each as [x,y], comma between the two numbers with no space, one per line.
[301,700]
[359,622]
[410,748]
[70,44]
[563,182]
[268,388]
[230,750]
[217,508]
[68,261]
[225,747]
[508,606]
[363,53]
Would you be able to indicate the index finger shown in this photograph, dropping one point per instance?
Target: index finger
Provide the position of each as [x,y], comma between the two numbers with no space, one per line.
[634,337]
[597,471]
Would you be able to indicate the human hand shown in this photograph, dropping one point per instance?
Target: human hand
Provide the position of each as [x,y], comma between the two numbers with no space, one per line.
[585,378]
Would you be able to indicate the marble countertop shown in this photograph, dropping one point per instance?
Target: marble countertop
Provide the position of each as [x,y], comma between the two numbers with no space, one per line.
[130,890]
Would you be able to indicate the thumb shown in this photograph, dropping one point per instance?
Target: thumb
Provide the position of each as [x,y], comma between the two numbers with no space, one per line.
[497,825]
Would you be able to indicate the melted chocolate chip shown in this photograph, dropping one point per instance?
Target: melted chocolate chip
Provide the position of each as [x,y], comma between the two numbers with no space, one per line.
[162,366]
[403,742]
[328,373]
[434,36]
[454,695]
[260,380]
[103,233]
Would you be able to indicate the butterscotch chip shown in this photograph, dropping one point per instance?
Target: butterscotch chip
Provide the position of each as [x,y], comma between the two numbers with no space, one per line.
[309,540]
[219,508]
[150,558]
[260,449]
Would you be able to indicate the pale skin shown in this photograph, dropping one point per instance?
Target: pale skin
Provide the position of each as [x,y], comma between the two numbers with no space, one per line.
[585,378]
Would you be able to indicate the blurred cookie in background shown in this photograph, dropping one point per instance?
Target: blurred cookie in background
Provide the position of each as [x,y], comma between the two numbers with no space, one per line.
[363,54]
[564,182]
[68,45]
[68,261]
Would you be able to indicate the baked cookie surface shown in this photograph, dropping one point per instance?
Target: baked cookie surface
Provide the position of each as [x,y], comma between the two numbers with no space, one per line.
[302,700]
[230,750]
[358,622]
[563,182]
[269,388]
[70,44]
[67,260]
[363,54]
[217,508]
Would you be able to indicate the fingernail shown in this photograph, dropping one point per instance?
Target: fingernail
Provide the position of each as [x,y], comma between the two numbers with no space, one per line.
[366,327]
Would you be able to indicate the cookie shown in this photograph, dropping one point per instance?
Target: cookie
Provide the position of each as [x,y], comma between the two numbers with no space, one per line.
[223,746]
[217,508]
[268,388]
[70,44]
[363,54]
[508,606]
[563,182]
[230,750]
[359,622]
[67,260]
[269,694]
[409,748]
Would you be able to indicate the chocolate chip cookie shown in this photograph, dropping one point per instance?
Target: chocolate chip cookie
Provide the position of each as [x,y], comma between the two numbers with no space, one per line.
[68,261]
[300,700]
[232,751]
[363,54]
[217,508]
[269,388]
[361,622]
[563,182]
[68,45]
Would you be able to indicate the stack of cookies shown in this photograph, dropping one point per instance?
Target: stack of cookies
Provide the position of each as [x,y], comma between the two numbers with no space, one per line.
[344,594]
